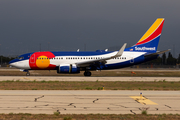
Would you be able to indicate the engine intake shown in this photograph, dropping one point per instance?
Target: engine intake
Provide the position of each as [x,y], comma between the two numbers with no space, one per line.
[68,68]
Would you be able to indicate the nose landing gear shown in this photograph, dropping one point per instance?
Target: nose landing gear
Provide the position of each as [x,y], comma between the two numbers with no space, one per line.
[28,73]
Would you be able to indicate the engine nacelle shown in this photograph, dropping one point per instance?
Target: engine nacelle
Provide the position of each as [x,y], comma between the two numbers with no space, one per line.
[68,68]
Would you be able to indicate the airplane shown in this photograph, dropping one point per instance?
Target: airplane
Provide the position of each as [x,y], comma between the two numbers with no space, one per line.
[74,62]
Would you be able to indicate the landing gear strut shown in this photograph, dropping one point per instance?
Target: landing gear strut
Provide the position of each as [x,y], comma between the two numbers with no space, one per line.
[28,73]
[87,73]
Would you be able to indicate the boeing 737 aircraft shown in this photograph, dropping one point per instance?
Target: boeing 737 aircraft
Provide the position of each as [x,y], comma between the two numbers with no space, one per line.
[74,62]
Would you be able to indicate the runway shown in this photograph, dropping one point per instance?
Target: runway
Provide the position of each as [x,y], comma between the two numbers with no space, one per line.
[55,78]
[89,101]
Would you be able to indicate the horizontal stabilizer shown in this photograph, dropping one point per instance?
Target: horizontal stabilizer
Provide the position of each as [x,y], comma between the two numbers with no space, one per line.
[157,53]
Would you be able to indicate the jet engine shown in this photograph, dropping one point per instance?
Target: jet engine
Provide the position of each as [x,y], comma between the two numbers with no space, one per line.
[68,68]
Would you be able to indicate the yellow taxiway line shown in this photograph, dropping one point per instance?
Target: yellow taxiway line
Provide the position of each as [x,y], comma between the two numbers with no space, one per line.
[143,100]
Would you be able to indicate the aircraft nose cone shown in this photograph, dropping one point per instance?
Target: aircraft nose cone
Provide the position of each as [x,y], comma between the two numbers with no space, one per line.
[13,63]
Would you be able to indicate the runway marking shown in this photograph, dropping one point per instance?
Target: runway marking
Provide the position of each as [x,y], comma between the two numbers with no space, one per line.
[143,100]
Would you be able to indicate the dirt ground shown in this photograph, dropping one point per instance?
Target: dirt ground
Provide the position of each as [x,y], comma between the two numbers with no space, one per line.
[27,116]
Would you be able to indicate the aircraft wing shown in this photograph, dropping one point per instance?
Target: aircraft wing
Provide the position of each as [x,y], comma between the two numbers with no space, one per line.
[87,63]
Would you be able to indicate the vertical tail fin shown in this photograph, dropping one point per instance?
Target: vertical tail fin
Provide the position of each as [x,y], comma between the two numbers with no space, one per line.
[150,40]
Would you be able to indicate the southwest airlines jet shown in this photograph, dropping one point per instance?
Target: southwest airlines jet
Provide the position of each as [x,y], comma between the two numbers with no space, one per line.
[74,62]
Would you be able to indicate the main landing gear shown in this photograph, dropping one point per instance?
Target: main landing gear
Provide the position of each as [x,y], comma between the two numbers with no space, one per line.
[87,73]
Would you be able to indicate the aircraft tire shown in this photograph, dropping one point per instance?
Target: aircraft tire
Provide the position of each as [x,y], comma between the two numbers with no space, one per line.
[27,74]
[87,73]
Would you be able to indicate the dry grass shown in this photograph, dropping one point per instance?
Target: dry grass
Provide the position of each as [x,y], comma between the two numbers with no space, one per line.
[12,116]
[88,85]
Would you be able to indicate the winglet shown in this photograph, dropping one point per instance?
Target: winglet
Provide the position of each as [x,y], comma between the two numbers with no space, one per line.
[121,51]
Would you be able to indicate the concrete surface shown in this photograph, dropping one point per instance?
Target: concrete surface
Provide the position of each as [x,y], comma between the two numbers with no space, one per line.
[55,78]
[88,101]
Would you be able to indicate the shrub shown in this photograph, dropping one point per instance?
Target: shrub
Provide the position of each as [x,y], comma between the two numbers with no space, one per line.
[67,118]
[144,112]
[100,88]
[56,113]
[88,88]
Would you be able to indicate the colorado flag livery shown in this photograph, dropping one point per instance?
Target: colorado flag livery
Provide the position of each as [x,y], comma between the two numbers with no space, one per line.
[74,62]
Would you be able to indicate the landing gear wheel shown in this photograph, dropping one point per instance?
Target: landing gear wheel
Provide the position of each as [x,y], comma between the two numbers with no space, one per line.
[27,74]
[84,73]
[87,73]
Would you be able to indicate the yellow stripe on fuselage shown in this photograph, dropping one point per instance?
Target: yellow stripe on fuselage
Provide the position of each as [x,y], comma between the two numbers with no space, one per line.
[152,29]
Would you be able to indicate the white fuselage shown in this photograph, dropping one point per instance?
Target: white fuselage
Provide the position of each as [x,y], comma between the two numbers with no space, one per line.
[58,60]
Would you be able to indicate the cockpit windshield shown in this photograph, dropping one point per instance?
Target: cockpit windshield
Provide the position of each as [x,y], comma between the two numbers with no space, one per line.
[20,58]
